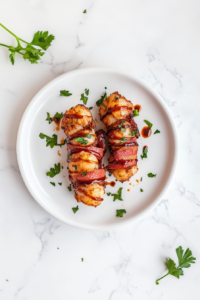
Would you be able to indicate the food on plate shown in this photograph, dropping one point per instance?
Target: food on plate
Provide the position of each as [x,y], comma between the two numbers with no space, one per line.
[117,113]
[86,149]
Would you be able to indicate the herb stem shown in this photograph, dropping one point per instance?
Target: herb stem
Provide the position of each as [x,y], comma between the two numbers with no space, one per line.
[161,278]
[4,45]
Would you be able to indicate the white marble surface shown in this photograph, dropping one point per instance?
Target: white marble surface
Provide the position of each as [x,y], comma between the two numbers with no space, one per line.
[159,42]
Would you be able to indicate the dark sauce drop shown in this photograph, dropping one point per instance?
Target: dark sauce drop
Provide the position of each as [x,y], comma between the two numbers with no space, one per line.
[138,107]
[112,183]
[57,122]
[146,132]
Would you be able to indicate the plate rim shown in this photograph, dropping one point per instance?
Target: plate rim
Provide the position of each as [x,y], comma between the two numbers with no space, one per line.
[145,86]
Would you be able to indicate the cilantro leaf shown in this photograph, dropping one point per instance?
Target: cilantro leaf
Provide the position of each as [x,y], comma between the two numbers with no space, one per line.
[120,212]
[49,118]
[65,93]
[149,124]
[184,259]
[133,132]
[75,209]
[75,167]
[141,190]
[69,188]
[50,141]
[84,99]
[81,140]
[58,116]
[118,196]
[40,39]
[151,175]
[53,183]
[54,171]
[87,92]
[60,183]
[108,194]
[141,179]
[157,131]
[90,107]
[88,135]
[136,113]
[85,11]
[100,101]
[81,259]
[144,154]
[120,126]
[123,130]
[84,174]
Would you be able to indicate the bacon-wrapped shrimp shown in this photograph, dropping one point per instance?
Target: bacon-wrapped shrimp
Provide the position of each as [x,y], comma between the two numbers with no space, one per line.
[86,149]
[117,113]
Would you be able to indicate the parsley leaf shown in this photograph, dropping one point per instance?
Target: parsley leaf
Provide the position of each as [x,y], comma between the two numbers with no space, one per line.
[120,126]
[184,261]
[58,116]
[54,171]
[70,123]
[100,101]
[81,140]
[87,92]
[49,118]
[85,11]
[69,188]
[84,99]
[60,183]
[123,130]
[149,124]
[53,183]
[75,167]
[110,174]
[120,212]
[108,194]
[151,175]
[84,174]
[81,259]
[50,141]
[75,209]
[90,107]
[88,135]
[141,179]
[118,196]
[141,190]
[40,39]
[157,131]
[136,113]
[65,93]
[144,154]
[133,132]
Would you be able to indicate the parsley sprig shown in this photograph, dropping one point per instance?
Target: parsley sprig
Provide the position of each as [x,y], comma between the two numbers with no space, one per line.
[118,196]
[54,171]
[40,39]
[65,93]
[144,153]
[50,141]
[184,261]
[81,140]
[100,101]
[149,124]
[57,116]
[133,133]
[120,212]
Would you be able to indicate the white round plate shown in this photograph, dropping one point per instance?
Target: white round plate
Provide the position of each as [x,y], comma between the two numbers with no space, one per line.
[35,159]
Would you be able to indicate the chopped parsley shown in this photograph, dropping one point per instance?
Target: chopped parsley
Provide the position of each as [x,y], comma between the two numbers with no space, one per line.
[60,183]
[136,113]
[49,118]
[105,88]
[7,280]
[84,99]
[149,124]
[118,196]
[69,156]
[53,183]
[151,175]
[57,248]
[141,179]
[120,212]
[87,92]
[144,154]
[123,130]
[110,174]
[84,174]
[133,132]
[81,140]
[75,209]
[69,188]
[85,11]
[141,190]
[70,123]
[88,136]
[157,131]
[90,107]
[54,171]
[50,141]
[100,101]
[65,93]
[62,167]
[58,116]
[81,259]
[75,167]
[120,126]
[108,194]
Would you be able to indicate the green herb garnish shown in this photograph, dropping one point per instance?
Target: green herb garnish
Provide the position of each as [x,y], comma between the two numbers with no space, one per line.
[84,99]
[120,212]
[87,92]
[53,183]
[149,124]
[50,141]
[123,130]
[70,156]
[69,188]
[141,190]
[157,131]
[60,183]
[151,175]
[136,113]
[40,39]
[65,93]
[49,118]
[144,153]
[84,174]
[54,171]
[85,11]
[81,140]
[120,126]
[75,167]
[75,209]
[141,179]
[88,135]
[57,248]
[133,132]
[108,194]
[58,116]
[100,101]
[81,259]
[110,174]
[118,196]
[70,123]
[90,107]
[184,261]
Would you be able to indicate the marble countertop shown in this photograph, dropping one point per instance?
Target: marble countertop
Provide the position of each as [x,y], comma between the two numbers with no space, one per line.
[159,42]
